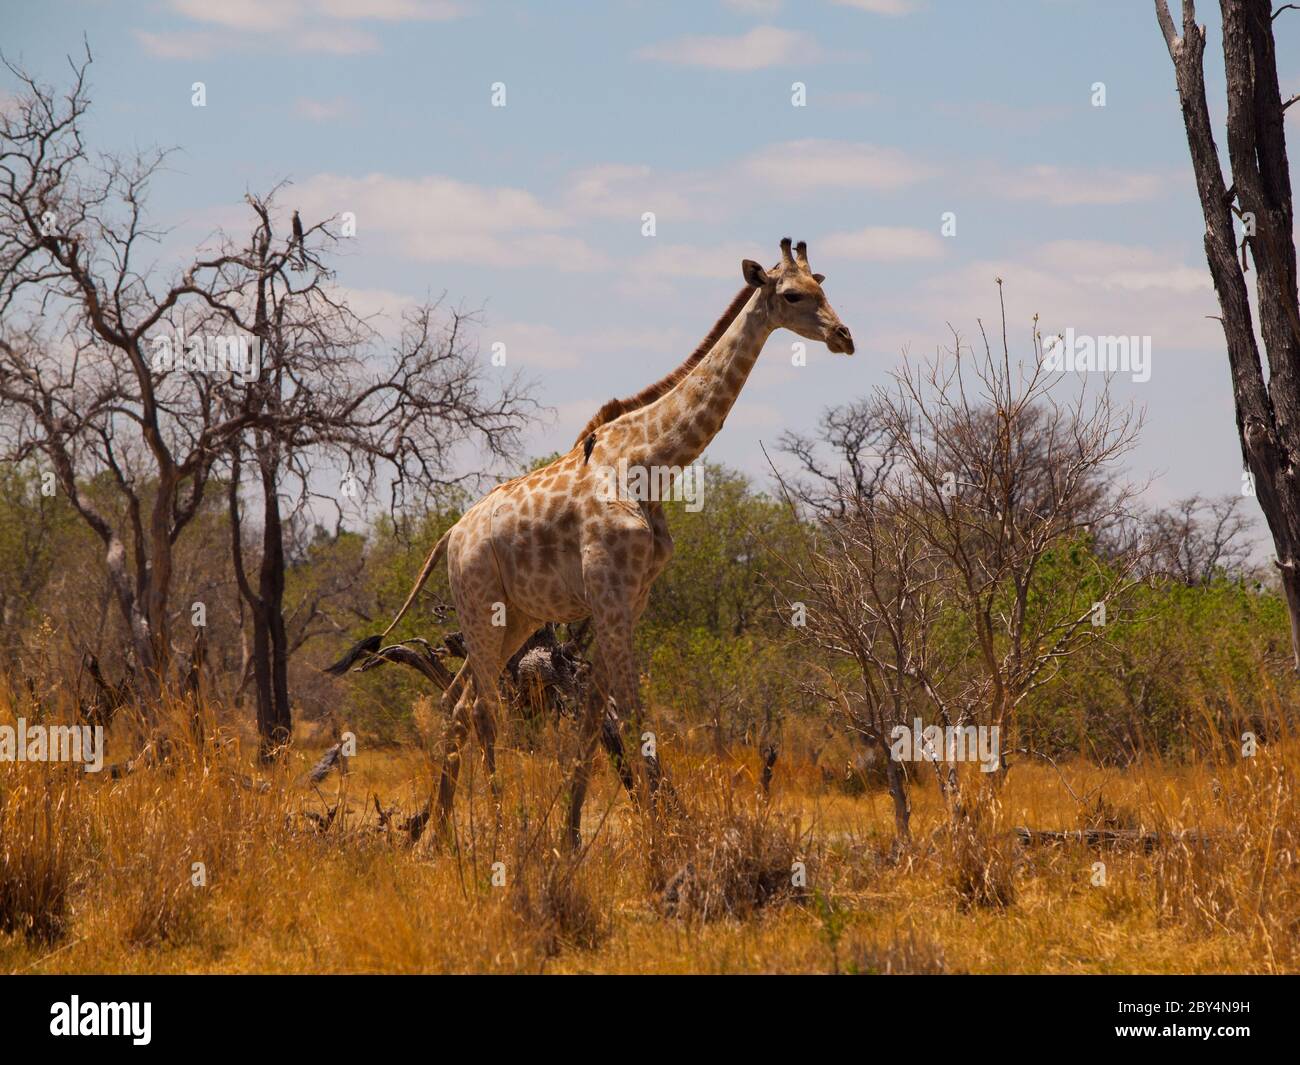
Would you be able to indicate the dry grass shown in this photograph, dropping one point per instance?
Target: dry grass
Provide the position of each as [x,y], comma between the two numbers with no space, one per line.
[980,853]
[100,874]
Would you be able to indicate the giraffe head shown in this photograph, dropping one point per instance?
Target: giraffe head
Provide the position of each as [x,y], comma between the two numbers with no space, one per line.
[795,300]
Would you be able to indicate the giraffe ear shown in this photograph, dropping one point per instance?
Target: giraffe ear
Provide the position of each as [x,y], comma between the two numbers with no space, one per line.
[754,274]
[819,278]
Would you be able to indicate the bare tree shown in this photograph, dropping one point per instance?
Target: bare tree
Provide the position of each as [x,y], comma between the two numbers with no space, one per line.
[327,390]
[845,463]
[78,388]
[250,362]
[1198,539]
[870,589]
[971,572]
[1259,196]
[1009,485]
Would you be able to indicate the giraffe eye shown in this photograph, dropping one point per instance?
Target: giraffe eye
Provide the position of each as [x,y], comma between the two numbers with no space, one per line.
[792,297]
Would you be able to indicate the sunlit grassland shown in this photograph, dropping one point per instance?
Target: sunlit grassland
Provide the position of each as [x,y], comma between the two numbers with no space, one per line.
[96,873]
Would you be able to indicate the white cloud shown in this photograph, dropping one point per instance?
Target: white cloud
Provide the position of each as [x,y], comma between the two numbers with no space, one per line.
[881,244]
[1074,186]
[666,271]
[617,190]
[382,308]
[626,191]
[323,110]
[343,40]
[394,10]
[265,16]
[439,219]
[205,43]
[1090,286]
[882,7]
[181,45]
[747,414]
[805,165]
[534,345]
[713,261]
[754,7]
[330,27]
[240,14]
[539,345]
[763,46]
[1125,267]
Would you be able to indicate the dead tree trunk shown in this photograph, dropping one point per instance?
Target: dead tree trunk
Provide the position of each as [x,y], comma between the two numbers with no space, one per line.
[274,725]
[898,795]
[1268,414]
[279,723]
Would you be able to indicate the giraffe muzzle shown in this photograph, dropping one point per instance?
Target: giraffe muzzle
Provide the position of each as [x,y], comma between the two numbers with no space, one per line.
[840,340]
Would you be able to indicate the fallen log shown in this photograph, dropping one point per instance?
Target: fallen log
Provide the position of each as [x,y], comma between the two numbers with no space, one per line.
[415,653]
[1111,837]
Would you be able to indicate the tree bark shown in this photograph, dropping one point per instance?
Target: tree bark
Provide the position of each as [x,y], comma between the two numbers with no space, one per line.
[1268,414]
[898,793]
[265,611]
[271,593]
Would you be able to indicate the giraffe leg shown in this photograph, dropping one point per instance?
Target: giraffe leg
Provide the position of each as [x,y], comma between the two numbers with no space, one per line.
[617,680]
[611,737]
[453,737]
[515,634]
[625,680]
[488,648]
[625,688]
[590,726]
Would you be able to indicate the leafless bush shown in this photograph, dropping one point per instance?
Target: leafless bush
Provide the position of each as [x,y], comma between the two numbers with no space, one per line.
[1198,539]
[981,856]
[962,580]
[873,589]
[733,855]
[553,897]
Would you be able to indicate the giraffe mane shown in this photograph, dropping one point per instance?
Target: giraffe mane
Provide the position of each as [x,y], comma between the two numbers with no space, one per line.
[616,408]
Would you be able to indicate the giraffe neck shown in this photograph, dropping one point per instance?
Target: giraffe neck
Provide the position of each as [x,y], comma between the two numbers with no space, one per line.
[675,429]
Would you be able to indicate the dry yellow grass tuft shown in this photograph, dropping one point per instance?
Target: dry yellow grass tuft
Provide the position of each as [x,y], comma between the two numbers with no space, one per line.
[203,863]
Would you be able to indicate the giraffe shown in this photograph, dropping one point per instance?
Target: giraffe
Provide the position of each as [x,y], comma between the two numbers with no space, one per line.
[557,545]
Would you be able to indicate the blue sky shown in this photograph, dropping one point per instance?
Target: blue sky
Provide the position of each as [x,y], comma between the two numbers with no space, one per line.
[533,211]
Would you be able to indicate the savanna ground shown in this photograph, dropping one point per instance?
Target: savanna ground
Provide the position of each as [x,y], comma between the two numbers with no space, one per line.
[97,871]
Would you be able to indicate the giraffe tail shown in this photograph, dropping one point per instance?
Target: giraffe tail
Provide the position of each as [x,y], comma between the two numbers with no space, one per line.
[438,550]
[371,644]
